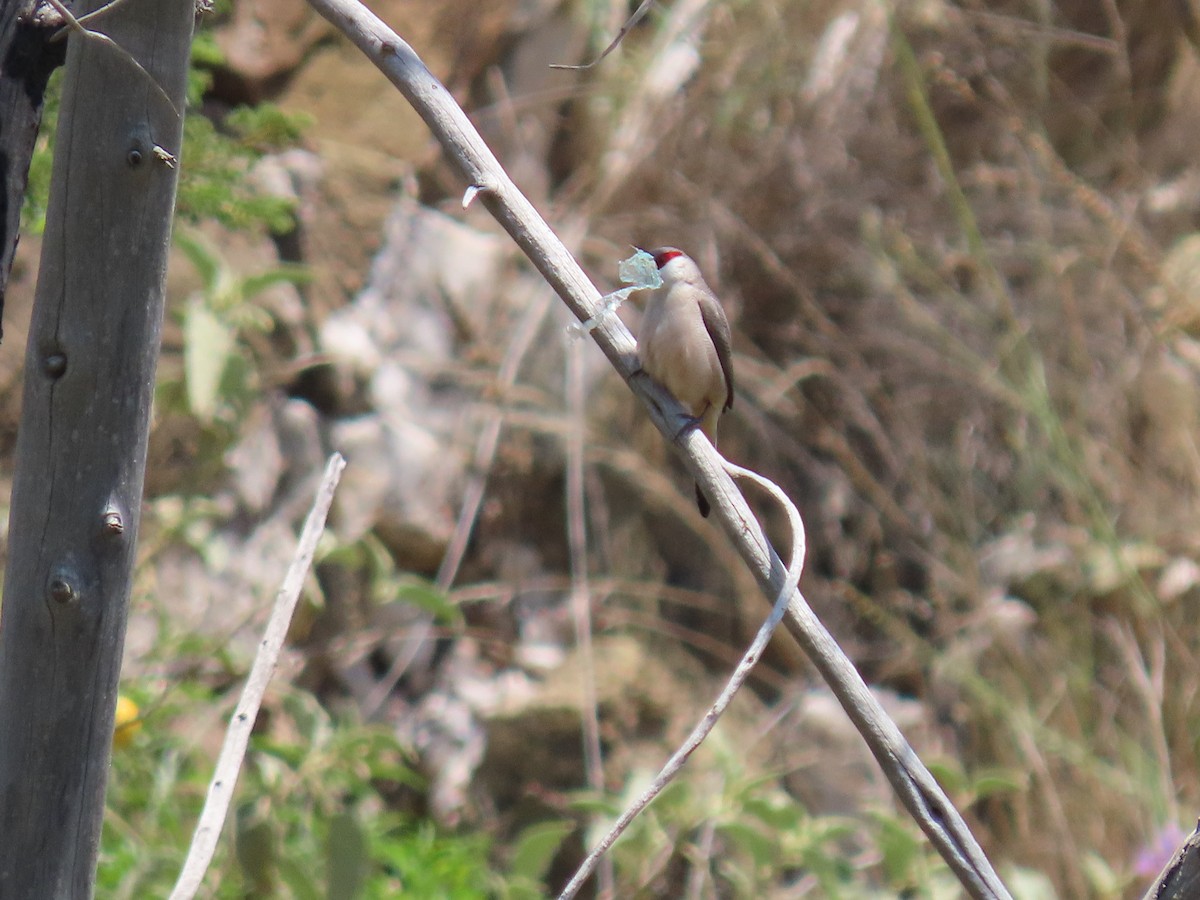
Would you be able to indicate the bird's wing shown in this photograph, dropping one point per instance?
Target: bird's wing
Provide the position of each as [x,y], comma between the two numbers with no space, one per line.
[717,327]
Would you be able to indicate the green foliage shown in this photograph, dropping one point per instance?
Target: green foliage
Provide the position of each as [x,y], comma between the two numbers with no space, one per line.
[369,557]
[223,326]
[37,188]
[214,182]
[418,862]
[536,846]
[747,836]
[155,790]
[219,380]
[317,814]
[313,818]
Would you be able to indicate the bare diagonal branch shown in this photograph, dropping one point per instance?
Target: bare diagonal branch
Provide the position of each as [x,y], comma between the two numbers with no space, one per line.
[486,178]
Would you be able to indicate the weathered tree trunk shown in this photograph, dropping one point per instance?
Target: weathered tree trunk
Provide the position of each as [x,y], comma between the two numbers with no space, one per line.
[27,57]
[81,451]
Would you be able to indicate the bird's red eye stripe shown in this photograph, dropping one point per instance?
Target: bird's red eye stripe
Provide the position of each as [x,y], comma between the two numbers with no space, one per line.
[661,259]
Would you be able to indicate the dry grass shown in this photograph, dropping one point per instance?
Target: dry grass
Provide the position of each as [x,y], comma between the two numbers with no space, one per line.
[958,351]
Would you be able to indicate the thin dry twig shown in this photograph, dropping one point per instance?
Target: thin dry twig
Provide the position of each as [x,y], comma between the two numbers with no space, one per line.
[1148,680]
[237,737]
[486,178]
[638,15]
[581,594]
[705,726]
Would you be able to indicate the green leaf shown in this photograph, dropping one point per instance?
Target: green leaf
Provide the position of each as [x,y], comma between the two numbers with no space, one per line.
[520,889]
[949,774]
[347,857]
[208,344]
[292,755]
[424,595]
[257,847]
[775,810]
[900,847]
[298,879]
[205,50]
[253,285]
[761,848]
[266,127]
[993,782]
[537,846]
[590,804]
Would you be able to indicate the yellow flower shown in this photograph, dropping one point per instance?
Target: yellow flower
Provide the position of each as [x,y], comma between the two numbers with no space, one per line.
[127,722]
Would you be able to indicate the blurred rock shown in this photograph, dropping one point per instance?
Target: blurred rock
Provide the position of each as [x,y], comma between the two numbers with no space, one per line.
[645,699]
[1178,577]
[263,41]
[1023,553]
[280,449]
[430,269]
[399,482]
[256,461]
[1179,293]
[1165,413]
[445,723]
[399,340]
[223,586]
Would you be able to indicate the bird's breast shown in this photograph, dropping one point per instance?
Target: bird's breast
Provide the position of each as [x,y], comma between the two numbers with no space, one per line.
[677,352]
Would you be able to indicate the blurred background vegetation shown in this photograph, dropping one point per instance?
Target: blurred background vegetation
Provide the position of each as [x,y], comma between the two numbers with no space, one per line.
[957,243]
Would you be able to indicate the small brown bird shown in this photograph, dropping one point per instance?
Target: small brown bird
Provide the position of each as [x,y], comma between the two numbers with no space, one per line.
[684,344]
